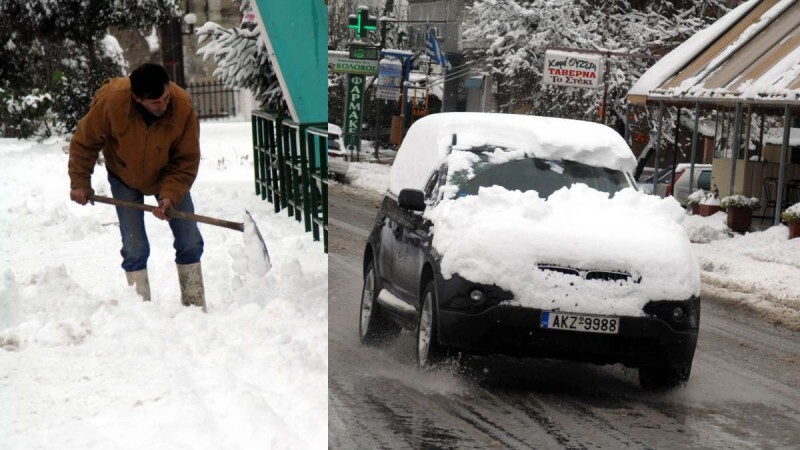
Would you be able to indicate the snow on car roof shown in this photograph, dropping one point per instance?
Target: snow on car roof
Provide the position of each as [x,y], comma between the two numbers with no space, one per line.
[428,143]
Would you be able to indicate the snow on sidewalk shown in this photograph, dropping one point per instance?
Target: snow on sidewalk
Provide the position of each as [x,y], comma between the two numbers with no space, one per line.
[86,364]
[758,271]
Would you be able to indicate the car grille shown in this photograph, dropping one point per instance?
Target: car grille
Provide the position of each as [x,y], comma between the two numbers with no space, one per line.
[601,275]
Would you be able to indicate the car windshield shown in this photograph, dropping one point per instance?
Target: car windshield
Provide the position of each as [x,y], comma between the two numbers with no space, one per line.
[544,176]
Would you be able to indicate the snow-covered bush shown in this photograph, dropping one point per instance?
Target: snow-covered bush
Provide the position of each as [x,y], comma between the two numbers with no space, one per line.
[792,214]
[696,197]
[711,199]
[242,60]
[740,201]
[61,49]
[701,197]
[23,115]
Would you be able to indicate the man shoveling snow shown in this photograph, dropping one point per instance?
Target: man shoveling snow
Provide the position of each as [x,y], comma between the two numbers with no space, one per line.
[149,134]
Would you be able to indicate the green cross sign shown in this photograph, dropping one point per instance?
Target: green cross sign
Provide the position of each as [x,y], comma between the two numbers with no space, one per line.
[362,22]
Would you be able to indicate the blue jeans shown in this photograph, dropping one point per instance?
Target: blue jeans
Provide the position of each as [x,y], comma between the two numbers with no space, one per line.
[135,246]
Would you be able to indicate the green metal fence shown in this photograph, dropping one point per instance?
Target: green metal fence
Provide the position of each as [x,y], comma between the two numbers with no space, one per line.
[291,169]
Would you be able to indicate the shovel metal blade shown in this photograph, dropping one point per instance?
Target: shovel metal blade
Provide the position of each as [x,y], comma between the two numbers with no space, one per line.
[249,222]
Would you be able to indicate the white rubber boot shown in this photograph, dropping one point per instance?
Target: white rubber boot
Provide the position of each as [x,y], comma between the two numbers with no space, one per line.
[142,282]
[190,277]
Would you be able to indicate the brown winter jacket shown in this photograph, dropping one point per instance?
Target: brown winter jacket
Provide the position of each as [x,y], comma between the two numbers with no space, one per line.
[162,160]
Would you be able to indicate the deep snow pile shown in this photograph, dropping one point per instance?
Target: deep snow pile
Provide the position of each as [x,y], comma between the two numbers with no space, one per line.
[499,237]
[86,364]
[369,176]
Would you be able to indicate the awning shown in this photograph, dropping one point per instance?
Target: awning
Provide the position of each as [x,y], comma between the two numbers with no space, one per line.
[751,55]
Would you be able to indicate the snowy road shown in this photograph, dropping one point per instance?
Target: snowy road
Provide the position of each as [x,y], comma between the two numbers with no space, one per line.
[744,390]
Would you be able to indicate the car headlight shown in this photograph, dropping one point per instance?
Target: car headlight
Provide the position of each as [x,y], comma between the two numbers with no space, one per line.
[476,296]
[680,315]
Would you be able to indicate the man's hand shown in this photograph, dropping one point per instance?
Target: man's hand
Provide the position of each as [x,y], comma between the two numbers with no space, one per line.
[81,195]
[164,205]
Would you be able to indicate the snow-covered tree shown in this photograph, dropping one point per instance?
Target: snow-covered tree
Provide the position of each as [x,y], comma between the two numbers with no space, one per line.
[242,59]
[509,38]
[54,54]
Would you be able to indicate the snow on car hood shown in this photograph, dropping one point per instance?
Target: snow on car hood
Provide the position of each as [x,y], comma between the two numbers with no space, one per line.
[500,237]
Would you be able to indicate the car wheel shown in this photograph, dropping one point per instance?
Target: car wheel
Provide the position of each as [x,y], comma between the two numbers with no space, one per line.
[663,377]
[429,352]
[373,326]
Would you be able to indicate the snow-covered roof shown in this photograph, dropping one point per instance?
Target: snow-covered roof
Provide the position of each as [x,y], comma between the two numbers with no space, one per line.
[428,142]
[752,54]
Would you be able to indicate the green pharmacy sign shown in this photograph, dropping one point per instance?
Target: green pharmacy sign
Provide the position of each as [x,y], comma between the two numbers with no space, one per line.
[353,110]
[362,22]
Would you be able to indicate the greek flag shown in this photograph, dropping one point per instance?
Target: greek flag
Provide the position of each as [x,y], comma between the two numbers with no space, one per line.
[435,52]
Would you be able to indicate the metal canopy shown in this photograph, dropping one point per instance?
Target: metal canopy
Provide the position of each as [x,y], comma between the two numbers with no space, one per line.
[748,59]
[751,56]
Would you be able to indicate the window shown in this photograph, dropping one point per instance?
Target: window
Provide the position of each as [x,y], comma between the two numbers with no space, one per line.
[704,180]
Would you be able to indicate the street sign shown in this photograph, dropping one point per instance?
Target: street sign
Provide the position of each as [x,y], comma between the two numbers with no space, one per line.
[335,55]
[352,114]
[356,66]
[363,51]
[572,69]
[388,93]
[390,77]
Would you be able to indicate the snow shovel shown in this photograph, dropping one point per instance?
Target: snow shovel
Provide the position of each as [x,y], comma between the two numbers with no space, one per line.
[175,214]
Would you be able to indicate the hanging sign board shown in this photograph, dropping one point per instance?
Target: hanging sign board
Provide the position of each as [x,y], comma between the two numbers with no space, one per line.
[572,69]
[356,66]
[390,78]
[388,93]
[390,73]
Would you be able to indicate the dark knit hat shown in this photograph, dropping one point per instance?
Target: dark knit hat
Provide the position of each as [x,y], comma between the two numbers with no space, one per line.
[148,80]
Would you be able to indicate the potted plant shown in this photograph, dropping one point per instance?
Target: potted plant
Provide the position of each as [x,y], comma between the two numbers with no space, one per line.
[709,205]
[740,211]
[693,201]
[792,217]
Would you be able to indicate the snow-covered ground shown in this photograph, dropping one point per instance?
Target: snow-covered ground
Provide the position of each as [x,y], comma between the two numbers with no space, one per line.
[86,364]
[758,271]
[369,176]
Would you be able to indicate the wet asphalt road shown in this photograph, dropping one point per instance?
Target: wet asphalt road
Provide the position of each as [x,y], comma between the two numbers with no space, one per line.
[744,391]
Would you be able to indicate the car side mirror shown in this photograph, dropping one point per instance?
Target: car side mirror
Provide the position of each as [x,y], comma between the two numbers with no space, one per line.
[411,199]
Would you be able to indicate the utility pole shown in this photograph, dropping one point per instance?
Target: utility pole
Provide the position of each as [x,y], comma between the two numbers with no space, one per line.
[383,23]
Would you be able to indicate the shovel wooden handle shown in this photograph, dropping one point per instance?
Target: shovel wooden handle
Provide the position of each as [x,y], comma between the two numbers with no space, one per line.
[172,213]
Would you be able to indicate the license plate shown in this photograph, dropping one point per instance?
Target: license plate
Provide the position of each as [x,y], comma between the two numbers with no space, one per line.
[579,322]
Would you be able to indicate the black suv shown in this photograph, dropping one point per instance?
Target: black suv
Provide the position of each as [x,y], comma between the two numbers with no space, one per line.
[404,285]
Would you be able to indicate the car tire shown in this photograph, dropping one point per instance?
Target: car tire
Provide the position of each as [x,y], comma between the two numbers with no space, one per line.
[373,326]
[429,352]
[656,378]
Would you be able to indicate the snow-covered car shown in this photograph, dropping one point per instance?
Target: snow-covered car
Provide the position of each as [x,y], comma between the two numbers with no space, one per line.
[702,180]
[526,236]
[337,156]
[335,142]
